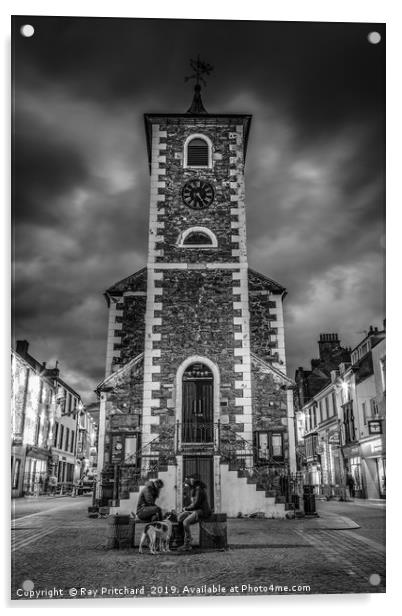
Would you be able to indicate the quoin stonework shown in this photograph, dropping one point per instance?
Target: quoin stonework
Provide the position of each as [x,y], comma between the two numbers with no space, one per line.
[196,365]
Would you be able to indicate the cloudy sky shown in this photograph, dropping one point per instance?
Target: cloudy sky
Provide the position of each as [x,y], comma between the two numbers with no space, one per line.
[314,177]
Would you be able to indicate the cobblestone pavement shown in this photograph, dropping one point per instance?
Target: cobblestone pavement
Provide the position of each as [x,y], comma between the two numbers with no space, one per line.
[63,552]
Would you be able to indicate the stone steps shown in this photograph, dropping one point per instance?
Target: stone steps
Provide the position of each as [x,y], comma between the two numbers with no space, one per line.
[242,474]
[242,494]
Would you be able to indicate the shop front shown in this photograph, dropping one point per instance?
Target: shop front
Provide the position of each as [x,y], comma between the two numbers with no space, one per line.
[374,466]
[354,472]
[35,472]
[17,469]
[331,463]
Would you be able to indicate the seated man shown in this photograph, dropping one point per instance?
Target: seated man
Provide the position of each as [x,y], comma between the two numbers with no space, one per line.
[199,509]
[147,511]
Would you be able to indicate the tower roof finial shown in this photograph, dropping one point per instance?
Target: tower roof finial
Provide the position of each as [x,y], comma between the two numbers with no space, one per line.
[200,68]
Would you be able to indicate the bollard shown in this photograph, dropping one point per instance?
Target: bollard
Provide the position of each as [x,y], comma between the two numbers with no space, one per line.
[121,532]
[177,538]
[309,500]
[213,532]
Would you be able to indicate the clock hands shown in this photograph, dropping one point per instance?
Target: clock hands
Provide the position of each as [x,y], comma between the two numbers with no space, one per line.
[197,194]
[199,198]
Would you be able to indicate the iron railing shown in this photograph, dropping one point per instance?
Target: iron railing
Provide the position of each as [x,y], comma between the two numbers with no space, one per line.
[268,473]
[195,432]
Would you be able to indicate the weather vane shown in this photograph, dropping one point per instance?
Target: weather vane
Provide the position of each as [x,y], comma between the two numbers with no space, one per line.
[200,68]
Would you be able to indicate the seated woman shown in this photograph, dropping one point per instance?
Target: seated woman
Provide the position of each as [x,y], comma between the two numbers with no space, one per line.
[199,509]
[147,511]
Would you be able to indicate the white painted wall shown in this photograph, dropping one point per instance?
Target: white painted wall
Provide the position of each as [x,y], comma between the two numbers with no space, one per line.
[166,500]
[239,496]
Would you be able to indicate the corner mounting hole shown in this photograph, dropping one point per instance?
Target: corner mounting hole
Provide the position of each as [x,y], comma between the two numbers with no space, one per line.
[27,30]
[374,38]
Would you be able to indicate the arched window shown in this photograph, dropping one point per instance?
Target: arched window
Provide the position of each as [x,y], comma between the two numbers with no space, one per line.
[198,151]
[198,404]
[198,237]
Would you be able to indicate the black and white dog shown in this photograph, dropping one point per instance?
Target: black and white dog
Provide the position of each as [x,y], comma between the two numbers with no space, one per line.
[158,534]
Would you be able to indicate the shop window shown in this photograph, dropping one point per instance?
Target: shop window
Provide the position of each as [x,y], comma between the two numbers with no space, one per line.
[311,443]
[69,473]
[16,473]
[355,471]
[383,372]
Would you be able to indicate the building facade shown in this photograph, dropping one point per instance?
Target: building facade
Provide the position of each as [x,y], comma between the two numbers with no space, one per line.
[343,426]
[44,411]
[33,405]
[196,366]
[86,444]
[368,466]
[65,464]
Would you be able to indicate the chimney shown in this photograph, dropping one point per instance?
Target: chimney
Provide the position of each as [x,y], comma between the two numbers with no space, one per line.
[327,343]
[22,347]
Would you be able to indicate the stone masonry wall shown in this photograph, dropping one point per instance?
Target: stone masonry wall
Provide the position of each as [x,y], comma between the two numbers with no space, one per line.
[133,327]
[124,405]
[262,325]
[197,320]
[177,217]
[269,404]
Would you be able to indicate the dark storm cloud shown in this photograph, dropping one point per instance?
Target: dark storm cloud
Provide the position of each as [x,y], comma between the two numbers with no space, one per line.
[48,168]
[314,174]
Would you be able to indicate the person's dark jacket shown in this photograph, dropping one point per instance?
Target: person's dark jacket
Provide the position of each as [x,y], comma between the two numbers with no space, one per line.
[148,495]
[199,500]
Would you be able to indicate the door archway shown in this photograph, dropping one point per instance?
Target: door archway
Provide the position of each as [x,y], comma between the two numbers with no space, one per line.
[198,405]
[213,368]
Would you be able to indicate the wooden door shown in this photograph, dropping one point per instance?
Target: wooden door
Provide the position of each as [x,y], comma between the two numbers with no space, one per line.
[197,411]
[202,466]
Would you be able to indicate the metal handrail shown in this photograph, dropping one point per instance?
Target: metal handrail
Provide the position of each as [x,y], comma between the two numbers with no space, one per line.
[254,451]
[239,447]
[138,454]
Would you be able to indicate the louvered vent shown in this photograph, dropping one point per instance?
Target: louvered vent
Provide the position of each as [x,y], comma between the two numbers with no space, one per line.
[197,153]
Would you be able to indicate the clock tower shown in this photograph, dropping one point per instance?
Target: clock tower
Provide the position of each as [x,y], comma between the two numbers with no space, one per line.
[199,348]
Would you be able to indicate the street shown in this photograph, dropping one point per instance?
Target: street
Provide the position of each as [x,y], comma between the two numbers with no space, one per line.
[58,552]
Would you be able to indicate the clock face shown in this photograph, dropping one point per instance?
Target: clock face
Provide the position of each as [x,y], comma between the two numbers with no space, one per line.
[197,194]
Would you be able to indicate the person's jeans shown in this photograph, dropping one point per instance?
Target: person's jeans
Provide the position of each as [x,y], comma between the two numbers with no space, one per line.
[148,512]
[188,518]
